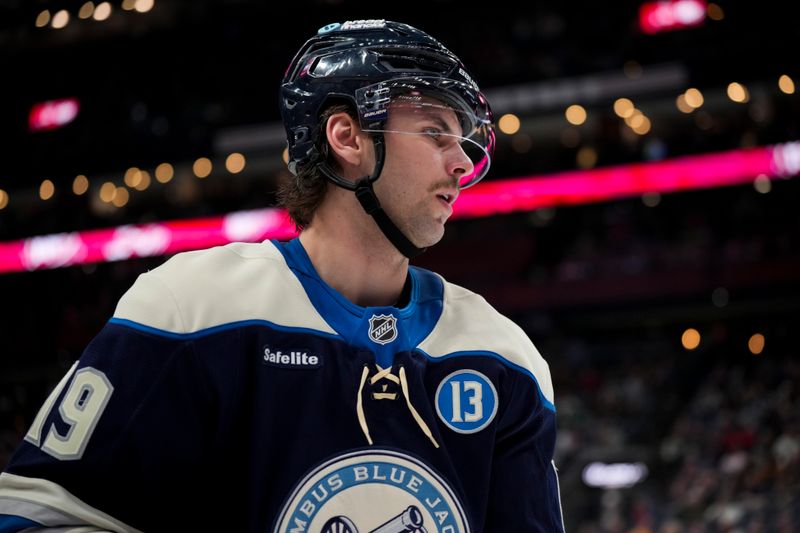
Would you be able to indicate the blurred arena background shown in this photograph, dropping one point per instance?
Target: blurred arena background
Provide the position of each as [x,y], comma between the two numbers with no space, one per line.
[640,220]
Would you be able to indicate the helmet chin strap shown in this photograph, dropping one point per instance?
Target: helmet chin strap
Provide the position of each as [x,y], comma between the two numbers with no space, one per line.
[369,201]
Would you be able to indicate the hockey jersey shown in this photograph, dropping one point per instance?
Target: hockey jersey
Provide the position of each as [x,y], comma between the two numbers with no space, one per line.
[234,390]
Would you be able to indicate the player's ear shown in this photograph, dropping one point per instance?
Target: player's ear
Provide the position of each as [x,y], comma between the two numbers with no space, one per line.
[347,141]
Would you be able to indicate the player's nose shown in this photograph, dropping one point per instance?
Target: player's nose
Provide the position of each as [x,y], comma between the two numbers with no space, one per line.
[459,164]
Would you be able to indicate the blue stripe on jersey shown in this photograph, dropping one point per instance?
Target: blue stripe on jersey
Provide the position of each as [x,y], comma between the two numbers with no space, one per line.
[10,523]
[547,403]
[216,329]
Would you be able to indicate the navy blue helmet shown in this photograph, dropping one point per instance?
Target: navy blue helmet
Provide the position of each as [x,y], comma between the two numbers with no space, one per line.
[366,64]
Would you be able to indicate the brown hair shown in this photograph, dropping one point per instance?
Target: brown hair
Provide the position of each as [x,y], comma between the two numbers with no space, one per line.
[302,194]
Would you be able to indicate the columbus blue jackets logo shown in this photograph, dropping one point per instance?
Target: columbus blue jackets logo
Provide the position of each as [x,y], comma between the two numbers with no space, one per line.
[372,490]
[382,328]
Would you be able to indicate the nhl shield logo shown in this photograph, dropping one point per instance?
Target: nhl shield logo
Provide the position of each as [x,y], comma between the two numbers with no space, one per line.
[382,328]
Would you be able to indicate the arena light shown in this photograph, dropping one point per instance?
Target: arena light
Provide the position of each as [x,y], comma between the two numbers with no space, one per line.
[125,242]
[720,169]
[666,15]
[614,475]
[489,198]
[53,114]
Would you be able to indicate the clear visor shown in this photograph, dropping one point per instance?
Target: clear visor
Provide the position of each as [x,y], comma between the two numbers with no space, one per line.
[454,118]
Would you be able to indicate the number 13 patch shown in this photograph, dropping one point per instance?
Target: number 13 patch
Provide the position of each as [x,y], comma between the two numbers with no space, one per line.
[466,401]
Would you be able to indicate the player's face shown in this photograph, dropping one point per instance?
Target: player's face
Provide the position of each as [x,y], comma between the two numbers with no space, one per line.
[424,159]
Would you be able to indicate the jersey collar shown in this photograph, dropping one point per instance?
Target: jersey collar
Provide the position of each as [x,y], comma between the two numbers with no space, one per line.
[384,330]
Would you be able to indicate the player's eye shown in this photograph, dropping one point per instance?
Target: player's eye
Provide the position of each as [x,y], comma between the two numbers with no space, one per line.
[435,133]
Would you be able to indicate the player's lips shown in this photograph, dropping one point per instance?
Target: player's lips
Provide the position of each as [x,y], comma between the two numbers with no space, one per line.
[446,201]
[448,196]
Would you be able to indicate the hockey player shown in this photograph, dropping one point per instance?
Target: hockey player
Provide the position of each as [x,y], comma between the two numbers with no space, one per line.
[320,384]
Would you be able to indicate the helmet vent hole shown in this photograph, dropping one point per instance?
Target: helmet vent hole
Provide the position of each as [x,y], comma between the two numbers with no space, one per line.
[400,63]
[418,63]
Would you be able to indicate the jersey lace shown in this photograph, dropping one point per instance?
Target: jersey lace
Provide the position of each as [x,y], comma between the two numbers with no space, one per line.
[386,373]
